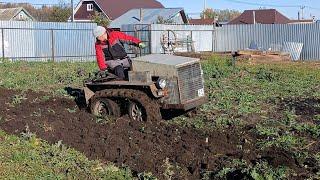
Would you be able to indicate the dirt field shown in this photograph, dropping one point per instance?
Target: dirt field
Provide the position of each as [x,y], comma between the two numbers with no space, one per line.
[262,121]
[153,147]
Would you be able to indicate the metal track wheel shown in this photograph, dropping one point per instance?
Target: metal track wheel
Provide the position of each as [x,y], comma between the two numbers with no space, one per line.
[105,107]
[136,111]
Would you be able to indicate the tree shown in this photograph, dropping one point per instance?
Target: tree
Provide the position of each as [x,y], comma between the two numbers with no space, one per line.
[60,13]
[223,15]
[100,19]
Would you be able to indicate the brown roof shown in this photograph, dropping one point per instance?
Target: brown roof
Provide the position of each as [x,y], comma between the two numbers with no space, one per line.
[116,8]
[263,16]
[201,21]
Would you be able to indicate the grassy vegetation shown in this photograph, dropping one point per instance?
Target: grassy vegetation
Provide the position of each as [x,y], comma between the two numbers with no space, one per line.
[28,157]
[267,97]
[44,76]
[32,157]
[272,98]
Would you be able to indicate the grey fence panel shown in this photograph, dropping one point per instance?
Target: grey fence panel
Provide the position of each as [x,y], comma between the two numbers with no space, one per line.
[17,45]
[43,41]
[42,46]
[270,37]
[72,46]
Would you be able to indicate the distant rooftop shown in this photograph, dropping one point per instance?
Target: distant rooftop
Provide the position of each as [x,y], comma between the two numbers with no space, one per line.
[149,16]
[208,21]
[116,8]
[262,16]
[8,13]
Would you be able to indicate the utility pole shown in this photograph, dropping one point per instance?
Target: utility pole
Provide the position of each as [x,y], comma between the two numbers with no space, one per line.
[302,11]
[72,16]
[204,8]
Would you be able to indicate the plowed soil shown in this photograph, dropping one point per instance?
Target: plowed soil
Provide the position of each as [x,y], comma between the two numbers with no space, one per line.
[143,147]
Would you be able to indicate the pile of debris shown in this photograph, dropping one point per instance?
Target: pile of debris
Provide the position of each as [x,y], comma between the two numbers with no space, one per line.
[251,56]
[256,56]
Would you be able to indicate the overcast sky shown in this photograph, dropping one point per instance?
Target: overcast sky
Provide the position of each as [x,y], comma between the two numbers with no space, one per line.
[289,8]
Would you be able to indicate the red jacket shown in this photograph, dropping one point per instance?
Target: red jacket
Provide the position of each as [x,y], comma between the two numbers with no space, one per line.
[113,48]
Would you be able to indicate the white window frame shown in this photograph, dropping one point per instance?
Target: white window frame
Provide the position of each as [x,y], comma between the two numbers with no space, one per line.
[90,7]
[21,16]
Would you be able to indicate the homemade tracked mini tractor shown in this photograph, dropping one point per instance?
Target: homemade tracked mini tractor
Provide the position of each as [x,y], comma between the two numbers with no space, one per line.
[154,82]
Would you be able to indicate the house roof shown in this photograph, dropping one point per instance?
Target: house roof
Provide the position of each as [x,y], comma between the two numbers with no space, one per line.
[150,16]
[208,21]
[263,16]
[116,8]
[8,13]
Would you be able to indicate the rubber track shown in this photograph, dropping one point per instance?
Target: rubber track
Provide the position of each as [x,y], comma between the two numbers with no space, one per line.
[151,106]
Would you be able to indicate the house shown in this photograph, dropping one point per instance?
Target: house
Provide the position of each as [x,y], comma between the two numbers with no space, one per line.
[111,9]
[151,16]
[261,16]
[15,14]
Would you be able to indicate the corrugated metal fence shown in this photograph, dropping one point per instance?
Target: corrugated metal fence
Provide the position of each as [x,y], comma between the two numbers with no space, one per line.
[234,37]
[41,41]
[271,37]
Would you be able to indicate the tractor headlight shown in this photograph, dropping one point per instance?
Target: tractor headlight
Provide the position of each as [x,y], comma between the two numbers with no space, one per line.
[161,83]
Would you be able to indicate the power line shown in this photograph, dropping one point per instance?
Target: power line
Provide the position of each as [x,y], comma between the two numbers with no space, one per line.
[313,8]
[272,5]
[262,4]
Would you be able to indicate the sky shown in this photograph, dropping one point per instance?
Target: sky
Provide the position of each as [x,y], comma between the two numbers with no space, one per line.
[196,6]
[289,8]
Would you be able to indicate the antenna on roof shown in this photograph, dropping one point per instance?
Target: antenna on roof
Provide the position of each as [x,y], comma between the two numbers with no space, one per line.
[302,11]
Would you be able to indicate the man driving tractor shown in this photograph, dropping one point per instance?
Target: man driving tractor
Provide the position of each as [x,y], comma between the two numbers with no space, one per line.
[110,51]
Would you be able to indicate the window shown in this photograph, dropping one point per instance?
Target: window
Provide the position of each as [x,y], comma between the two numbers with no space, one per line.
[21,16]
[89,7]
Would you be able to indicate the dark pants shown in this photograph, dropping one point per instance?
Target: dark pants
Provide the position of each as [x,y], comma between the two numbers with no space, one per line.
[119,71]
[118,66]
